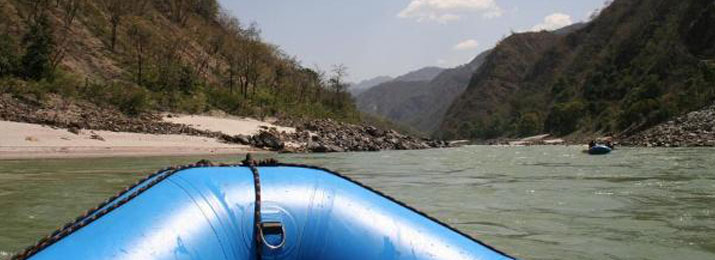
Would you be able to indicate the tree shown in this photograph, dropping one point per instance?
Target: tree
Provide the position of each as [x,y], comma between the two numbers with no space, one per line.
[137,7]
[39,45]
[180,10]
[187,80]
[140,40]
[116,9]
[71,8]
[318,77]
[207,9]
[339,72]
[213,42]
[229,51]
[250,54]
[528,124]
[232,61]
[8,55]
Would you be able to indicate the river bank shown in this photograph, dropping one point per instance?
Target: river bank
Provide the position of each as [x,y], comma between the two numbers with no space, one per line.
[30,141]
[54,127]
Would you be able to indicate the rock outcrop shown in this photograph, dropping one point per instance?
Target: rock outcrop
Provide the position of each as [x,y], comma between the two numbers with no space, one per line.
[327,136]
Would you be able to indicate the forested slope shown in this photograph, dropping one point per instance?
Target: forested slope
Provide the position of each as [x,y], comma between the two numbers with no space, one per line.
[166,55]
[637,64]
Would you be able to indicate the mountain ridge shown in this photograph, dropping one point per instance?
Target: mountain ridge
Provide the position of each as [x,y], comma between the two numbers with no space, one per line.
[362,86]
[419,104]
[422,74]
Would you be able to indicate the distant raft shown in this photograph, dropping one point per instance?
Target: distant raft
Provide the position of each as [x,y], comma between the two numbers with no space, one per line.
[266,212]
[599,149]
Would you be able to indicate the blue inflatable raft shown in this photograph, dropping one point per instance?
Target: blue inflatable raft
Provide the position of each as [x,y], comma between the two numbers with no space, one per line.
[599,149]
[272,211]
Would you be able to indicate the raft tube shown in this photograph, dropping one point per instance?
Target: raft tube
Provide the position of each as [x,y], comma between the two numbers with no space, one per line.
[207,212]
[599,150]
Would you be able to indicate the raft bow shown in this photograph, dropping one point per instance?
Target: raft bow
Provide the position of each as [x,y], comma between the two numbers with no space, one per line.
[255,210]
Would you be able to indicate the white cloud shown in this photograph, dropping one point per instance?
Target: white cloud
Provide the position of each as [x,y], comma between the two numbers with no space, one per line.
[553,22]
[467,45]
[444,11]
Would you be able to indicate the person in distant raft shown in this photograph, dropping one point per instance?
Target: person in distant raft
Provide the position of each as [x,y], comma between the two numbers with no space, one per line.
[607,141]
[591,144]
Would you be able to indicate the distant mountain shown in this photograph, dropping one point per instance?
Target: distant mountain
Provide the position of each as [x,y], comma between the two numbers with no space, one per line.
[419,99]
[639,63]
[364,85]
[423,74]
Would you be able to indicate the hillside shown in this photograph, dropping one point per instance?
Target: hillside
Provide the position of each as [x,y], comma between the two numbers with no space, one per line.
[639,63]
[419,104]
[157,55]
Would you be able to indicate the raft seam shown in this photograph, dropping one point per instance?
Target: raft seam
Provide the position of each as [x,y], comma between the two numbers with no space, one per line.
[223,249]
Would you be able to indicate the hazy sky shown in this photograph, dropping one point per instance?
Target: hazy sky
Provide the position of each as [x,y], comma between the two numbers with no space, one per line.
[392,37]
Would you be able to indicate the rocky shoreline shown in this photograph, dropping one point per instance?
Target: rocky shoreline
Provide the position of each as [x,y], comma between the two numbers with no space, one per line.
[326,136]
[695,129]
[311,136]
[75,116]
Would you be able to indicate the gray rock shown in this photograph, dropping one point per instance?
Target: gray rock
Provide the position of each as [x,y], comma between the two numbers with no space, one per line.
[73,130]
[243,139]
[97,137]
[270,140]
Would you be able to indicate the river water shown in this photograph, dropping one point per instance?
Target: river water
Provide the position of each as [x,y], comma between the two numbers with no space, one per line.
[531,202]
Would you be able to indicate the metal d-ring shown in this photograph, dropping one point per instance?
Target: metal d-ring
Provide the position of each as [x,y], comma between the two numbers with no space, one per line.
[273,228]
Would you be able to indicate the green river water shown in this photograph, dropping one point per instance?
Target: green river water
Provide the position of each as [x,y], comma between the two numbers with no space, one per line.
[531,202]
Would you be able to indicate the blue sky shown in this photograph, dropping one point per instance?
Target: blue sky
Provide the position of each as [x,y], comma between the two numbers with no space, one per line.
[392,37]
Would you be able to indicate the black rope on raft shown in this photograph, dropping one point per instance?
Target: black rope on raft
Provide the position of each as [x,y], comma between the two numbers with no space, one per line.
[257,204]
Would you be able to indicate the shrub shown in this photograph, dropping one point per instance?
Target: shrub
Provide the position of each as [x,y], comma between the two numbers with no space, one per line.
[529,124]
[39,45]
[8,55]
[128,98]
[564,117]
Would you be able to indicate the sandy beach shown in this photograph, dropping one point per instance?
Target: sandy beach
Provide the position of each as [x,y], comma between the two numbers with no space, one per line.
[229,125]
[27,141]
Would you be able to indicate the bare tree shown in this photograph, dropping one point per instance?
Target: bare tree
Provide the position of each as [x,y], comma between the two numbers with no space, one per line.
[339,73]
[71,8]
[116,9]
[250,51]
[137,7]
[180,10]
[319,79]
[212,46]
[140,40]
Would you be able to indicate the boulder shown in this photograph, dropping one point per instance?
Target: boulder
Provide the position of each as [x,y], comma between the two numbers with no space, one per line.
[243,139]
[270,140]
